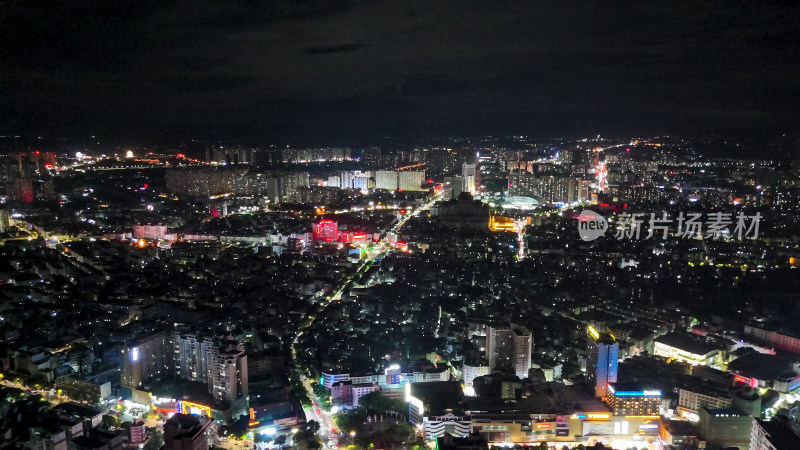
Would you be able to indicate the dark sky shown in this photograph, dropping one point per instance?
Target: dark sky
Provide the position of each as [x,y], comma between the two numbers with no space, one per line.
[337,70]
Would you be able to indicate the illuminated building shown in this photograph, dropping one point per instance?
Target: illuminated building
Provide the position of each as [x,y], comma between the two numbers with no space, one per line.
[21,190]
[775,339]
[693,400]
[602,357]
[550,188]
[774,435]
[686,348]
[220,364]
[217,181]
[137,433]
[509,346]
[470,372]
[633,402]
[520,202]
[361,389]
[186,432]
[328,380]
[470,173]
[291,155]
[145,359]
[228,380]
[501,223]
[361,180]
[149,231]
[187,407]
[326,230]
[528,429]
[410,180]
[386,179]
[5,220]
[354,237]
[341,180]
[192,355]
[429,405]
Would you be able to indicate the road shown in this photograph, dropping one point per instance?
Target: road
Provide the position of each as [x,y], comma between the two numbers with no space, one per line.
[323,417]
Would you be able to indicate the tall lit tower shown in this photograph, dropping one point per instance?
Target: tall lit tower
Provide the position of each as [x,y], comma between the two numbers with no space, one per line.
[601,360]
[470,173]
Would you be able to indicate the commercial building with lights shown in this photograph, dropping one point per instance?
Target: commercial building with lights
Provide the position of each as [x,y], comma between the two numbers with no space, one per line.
[325,230]
[602,358]
[436,408]
[632,400]
[687,348]
[585,427]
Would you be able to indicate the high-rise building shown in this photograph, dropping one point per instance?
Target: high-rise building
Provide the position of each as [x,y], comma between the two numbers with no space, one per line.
[5,220]
[602,357]
[410,181]
[386,179]
[361,180]
[551,188]
[192,355]
[509,347]
[146,359]
[456,185]
[228,376]
[470,174]
[221,364]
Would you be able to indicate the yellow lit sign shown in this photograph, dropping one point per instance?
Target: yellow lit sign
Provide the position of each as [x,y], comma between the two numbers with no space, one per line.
[594,332]
[598,415]
[194,408]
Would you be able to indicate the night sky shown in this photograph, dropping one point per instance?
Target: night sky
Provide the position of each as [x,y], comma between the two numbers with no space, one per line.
[339,71]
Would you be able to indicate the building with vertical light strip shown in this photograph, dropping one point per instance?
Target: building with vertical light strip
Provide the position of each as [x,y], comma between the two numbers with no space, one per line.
[602,358]
[145,359]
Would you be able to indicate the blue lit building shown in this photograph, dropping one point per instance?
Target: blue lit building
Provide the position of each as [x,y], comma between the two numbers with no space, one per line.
[602,357]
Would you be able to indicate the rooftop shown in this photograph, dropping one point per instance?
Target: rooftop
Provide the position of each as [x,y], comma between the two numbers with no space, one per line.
[687,343]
